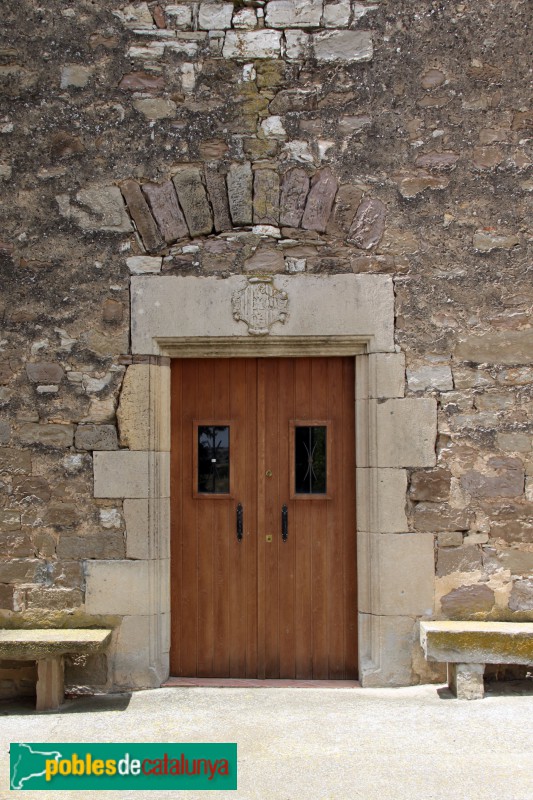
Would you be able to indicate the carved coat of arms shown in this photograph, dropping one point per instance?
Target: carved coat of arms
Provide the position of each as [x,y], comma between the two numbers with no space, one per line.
[260,305]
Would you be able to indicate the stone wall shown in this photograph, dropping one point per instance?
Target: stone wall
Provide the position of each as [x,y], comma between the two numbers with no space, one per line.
[262,137]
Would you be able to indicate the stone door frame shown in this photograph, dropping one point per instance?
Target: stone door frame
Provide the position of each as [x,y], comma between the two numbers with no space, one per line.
[393,433]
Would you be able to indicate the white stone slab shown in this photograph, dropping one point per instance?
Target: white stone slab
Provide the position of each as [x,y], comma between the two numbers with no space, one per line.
[252,44]
[332,305]
[131,473]
[405,570]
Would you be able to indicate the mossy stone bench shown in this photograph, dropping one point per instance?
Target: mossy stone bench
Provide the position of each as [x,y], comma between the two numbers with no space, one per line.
[48,647]
[467,646]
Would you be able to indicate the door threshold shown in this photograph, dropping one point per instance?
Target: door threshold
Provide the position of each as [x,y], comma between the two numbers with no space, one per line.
[256,683]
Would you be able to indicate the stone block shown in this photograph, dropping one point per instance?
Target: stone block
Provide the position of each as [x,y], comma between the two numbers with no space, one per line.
[430,486]
[111,343]
[293,13]
[466,681]
[112,311]
[49,435]
[143,516]
[45,372]
[135,16]
[143,417]
[319,305]
[470,642]
[193,200]
[239,181]
[294,191]
[297,45]
[109,545]
[406,431]
[343,46]
[466,602]
[243,45]
[6,597]
[131,665]
[430,376]
[9,520]
[265,260]
[245,18]
[5,435]
[31,490]
[441,517]
[144,265]
[390,662]
[521,597]
[54,599]
[336,15]
[503,478]
[179,16]
[139,210]
[141,82]
[15,462]
[496,347]
[368,225]
[515,442]
[485,242]
[266,197]
[14,543]
[458,559]
[406,574]
[131,473]
[218,197]
[215,16]
[118,587]
[106,209]
[450,538]
[75,75]
[155,108]
[165,208]
[110,518]
[320,201]
[22,570]
[380,376]
[96,437]
[388,489]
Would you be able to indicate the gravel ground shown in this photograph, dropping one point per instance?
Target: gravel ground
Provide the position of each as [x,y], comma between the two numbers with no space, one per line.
[310,744]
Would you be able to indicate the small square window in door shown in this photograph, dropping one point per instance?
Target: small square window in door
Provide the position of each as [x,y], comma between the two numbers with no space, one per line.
[309,456]
[213,459]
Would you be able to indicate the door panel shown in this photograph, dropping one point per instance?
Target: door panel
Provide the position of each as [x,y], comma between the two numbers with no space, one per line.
[264,607]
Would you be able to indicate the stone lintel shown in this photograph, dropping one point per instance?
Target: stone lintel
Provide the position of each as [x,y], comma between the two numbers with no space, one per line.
[324,306]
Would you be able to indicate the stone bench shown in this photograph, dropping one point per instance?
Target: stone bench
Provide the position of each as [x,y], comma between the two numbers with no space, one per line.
[48,647]
[467,646]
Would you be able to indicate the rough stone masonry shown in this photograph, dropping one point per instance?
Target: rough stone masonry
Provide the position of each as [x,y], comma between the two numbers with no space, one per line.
[262,136]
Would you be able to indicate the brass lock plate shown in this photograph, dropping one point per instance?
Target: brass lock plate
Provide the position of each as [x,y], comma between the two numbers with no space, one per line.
[269,537]
[268,473]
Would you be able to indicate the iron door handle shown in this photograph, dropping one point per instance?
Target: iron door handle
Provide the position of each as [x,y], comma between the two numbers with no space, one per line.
[284,523]
[239,522]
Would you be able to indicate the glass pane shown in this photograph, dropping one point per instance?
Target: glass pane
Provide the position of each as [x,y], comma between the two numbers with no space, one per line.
[213,459]
[310,459]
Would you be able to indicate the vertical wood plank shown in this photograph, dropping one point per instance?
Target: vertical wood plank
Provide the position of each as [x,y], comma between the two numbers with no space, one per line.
[286,550]
[301,526]
[318,531]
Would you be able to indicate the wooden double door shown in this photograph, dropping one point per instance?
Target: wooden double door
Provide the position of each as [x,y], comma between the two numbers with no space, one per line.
[263,548]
